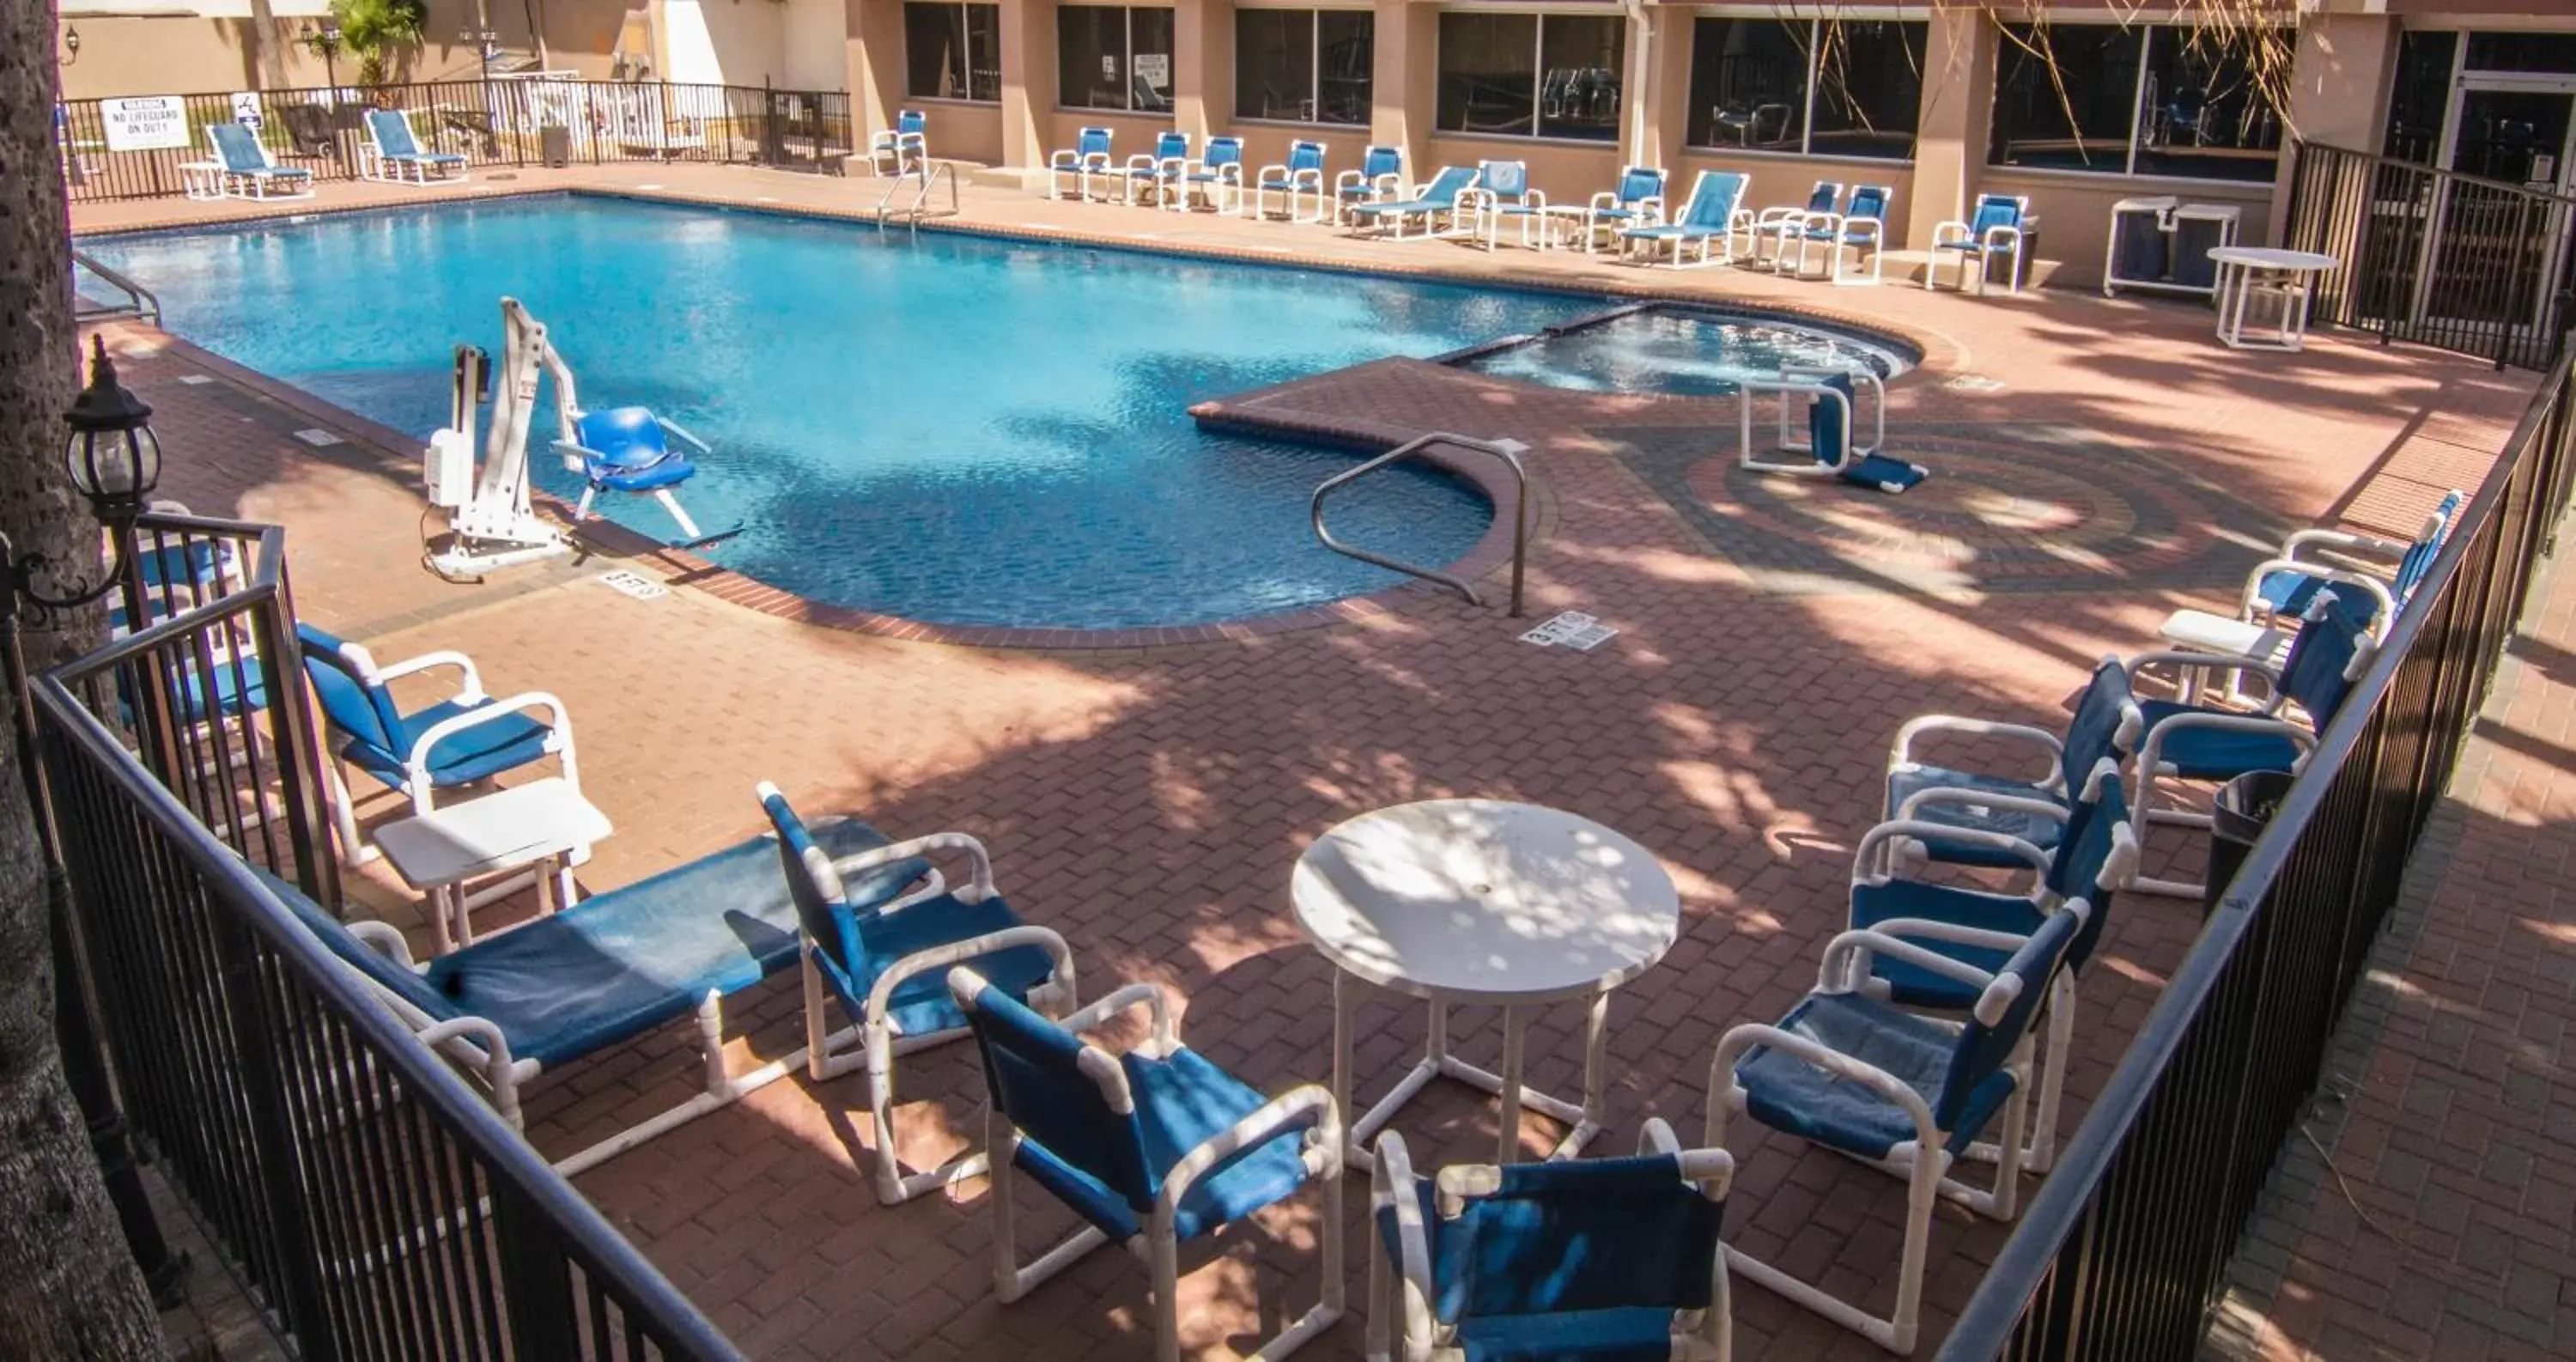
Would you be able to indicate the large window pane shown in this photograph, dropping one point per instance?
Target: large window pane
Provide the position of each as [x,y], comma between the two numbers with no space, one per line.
[1488,72]
[2551,53]
[984,52]
[2204,115]
[1274,64]
[1869,89]
[2421,97]
[1579,87]
[2063,95]
[952,51]
[1150,35]
[1347,46]
[1091,57]
[1749,84]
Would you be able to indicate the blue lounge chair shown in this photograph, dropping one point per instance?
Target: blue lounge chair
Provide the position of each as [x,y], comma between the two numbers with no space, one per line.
[2098,853]
[1607,1259]
[1437,207]
[1150,1148]
[1088,160]
[887,968]
[1637,202]
[1216,178]
[392,153]
[1859,230]
[2106,724]
[1380,179]
[466,738]
[1156,177]
[534,999]
[1995,228]
[1779,224]
[1502,192]
[1904,1093]
[244,171]
[1715,214]
[1302,176]
[2186,739]
[2279,589]
[902,149]
[1829,440]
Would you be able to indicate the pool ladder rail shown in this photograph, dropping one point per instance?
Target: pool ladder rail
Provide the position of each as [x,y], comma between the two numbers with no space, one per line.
[914,209]
[139,303]
[1509,451]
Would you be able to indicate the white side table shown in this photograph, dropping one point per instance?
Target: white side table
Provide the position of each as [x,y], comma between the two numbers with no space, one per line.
[437,852]
[202,181]
[2289,274]
[1480,901]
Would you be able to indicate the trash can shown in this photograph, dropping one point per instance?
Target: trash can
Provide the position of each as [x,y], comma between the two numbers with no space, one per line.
[554,146]
[2241,811]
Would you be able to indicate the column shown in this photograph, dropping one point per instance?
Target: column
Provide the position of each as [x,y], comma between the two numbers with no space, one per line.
[2339,88]
[875,38]
[1958,106]
[1203,84]
[1668,93]
[1405,81]
[1028,81]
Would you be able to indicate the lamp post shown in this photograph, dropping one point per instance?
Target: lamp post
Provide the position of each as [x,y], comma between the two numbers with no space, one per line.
[114,460]
[71,45]
[324,37]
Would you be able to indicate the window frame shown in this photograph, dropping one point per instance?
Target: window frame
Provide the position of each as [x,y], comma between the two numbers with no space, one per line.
[2137,114]
[1315,55]
[1538,74]
[1126,58]
[966,35]
[1815,57]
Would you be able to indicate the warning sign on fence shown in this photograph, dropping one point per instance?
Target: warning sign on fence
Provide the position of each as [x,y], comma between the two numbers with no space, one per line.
[246,108]
[145,122]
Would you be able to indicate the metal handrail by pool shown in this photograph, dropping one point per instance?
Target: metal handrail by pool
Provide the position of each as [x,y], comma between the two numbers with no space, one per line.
[912,213]
[140,301]
[1509,451]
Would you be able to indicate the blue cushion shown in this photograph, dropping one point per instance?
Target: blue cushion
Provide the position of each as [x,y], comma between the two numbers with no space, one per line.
[1828,422]
[485,750]
[1636,1334]
[2286,591]
[2216,754]
[406,984]
[623,962]
[1912,985]
[1789,1094]
[1883,473]
[1577,1237]
[1181,1102]
[922,1004]
[2040,831]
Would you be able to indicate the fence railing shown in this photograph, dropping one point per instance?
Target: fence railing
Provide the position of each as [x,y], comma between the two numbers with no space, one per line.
[2451,261]
[370,1203]
[2122,1252]
[496,123]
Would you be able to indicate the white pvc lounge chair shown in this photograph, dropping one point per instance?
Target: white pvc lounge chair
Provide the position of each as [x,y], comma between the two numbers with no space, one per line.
[1380,179]
[2278,590]
[1637,202]
[244,170]
[1301,177]
[1087,161]
[1501,191]
[1994,229]
[1859,230]
[1778,224]
[902,149]
[393,154]
[1437,207]
[1829,440]
[2033,812]
[1711,221]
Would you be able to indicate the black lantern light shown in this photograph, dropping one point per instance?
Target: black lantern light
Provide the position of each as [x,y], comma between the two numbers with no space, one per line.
[113,457]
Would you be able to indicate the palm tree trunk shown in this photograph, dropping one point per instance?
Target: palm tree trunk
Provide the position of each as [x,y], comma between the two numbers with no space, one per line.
[266,61]
[72,1289]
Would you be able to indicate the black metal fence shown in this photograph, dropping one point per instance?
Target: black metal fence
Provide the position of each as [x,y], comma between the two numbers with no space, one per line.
[495,123]
[368,1200]
[2121,1254]
[2451,261]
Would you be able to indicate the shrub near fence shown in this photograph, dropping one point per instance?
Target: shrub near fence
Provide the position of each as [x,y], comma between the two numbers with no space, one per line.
[498,123]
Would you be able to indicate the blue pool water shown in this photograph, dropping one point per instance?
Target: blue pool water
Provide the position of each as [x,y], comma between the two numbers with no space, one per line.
[1683,352]
[956,429]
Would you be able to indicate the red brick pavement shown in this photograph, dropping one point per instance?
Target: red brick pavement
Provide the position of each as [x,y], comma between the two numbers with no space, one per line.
[1149,802]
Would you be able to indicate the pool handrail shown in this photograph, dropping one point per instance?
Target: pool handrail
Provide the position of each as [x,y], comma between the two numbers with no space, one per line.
[1509,451]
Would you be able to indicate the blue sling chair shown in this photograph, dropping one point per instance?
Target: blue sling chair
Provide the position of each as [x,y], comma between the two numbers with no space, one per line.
[1993,229]
[902,149]
[1087,159]
[1217,179]
[392,153]
[1830,442]
[1637,202]
[1502,190]
[1440,206]
[1300,177]
[1858,230]
[1711,221]
[1904,1093]
[1579,1260]
[1153,177]
[1782,223]
[2030,810]
[1150,1148]
[244,170]
[886,965]
[2280,588]
[1380,179]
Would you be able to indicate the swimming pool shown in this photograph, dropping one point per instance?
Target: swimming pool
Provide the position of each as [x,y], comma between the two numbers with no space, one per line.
[1680,350]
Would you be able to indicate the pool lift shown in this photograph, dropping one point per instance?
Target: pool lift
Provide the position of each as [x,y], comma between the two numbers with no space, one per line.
[491,523]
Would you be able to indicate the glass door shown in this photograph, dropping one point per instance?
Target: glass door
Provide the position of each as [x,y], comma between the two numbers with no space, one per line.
[2500,257]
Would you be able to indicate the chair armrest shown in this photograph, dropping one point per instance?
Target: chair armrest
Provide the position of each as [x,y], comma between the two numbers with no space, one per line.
[470,689]
[1604,201]
[2150,758]
[1919,830]
[1307,1104]
[384,939]
[1534,199]
[1953,230]
[2252,598]
[1163,1037]
[940,959]
[479,1045]
[1998,234]
[2212,662]
[1853,950]
[685,434]
[2342,540]
[1751,1035]
[416,761]
[1391,1188]
[875,858]
[1945,796]
[1924,928]
[1902,752]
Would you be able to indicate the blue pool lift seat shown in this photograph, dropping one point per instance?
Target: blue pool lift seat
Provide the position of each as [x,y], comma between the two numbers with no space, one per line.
[1905,1093]
[534,999]
[1150,1148]
[1440,206]
[1829,445]
[1637,202]
[1571,1261]
[464,739]
[2027,810]
[1995,228]
[1086,160]
[1379,179]
[631,450]
[1980,927]
[886,963]
[1710,221]
[393,153]
[1301,176]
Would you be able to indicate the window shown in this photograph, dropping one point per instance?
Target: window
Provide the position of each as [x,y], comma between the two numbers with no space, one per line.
[953,51]
[1751,84]
[1114,57]
[2531,53]
[2146,100]
[2420,97]
[1304,65]
[1531,75]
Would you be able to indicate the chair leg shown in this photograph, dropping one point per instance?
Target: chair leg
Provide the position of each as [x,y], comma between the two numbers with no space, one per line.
[1380,1299]
[894,1186]
[1010,1280]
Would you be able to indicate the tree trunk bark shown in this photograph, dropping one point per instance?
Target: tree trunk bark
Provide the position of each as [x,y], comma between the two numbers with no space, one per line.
[267,62]
[68,1284]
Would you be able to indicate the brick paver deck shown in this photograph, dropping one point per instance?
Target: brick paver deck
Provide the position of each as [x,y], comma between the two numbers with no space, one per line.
[2427,1209]
[1149,802]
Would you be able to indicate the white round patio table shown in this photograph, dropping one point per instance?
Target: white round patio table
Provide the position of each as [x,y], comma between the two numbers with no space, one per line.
[2290,274]
[1478,901]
